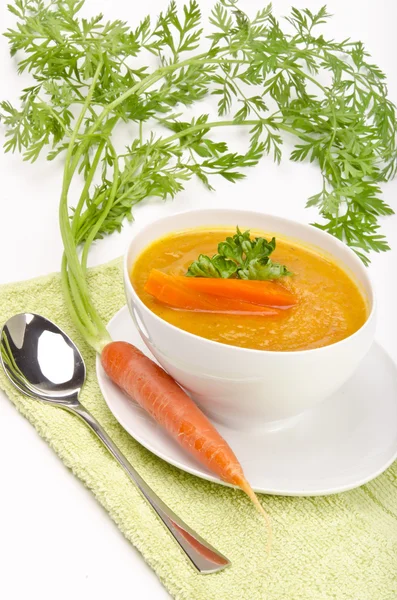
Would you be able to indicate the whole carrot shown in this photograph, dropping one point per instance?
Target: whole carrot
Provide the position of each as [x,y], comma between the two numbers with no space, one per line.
[155,390]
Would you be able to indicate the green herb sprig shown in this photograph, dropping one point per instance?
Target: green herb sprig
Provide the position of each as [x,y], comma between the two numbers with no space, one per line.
[86,81]
[240,256]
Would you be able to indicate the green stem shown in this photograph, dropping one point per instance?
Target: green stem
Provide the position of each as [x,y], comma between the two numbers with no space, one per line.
[75,285]
[77,91]
[64,220]
[104,212]
[295,132]
[210,125]
[93,341]
[83,226]
[140,132]
[213,124]
[80,304]
[88,181]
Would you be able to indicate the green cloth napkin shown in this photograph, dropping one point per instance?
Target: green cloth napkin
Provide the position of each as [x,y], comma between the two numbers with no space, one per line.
[340,547]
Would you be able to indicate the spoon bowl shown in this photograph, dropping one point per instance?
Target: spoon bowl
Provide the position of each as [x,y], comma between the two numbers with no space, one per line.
[41,360]
[44,363]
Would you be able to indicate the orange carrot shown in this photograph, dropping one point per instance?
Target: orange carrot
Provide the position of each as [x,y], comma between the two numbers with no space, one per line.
[263,293]
[153,389]
[174,293]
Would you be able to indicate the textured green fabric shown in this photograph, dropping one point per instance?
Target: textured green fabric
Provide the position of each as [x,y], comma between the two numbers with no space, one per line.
[340,547]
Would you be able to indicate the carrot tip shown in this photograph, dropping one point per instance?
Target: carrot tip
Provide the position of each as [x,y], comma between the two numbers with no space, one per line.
[245,486]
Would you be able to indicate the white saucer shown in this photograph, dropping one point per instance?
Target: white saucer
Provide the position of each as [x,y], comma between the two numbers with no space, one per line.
[341,444]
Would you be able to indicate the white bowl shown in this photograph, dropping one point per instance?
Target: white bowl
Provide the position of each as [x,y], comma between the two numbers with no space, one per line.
[240,387]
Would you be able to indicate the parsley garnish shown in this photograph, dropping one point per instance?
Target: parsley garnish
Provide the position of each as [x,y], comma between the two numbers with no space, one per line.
[242,257]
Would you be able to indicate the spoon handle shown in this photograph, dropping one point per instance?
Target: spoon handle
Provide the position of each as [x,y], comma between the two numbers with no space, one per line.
[204,557]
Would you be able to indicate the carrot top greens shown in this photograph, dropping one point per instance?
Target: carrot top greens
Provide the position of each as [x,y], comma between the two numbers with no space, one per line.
[242,257]
[89,75]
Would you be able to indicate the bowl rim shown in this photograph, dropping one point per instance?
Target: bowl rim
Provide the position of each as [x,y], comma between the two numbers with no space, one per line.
[231,347]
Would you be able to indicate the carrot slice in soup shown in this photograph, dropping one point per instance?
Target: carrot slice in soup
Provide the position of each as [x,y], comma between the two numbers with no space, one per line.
[173,292]
[264,293]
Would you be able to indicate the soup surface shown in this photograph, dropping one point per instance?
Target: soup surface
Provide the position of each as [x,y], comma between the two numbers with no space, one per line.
[330,305]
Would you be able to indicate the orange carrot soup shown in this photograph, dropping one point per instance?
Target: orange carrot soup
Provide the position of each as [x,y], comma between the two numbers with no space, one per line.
[316,304]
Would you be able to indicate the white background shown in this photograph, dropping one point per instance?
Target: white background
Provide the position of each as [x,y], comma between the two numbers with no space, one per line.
[55,540]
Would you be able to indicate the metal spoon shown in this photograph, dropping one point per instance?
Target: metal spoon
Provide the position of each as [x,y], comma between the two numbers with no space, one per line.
[43,362]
